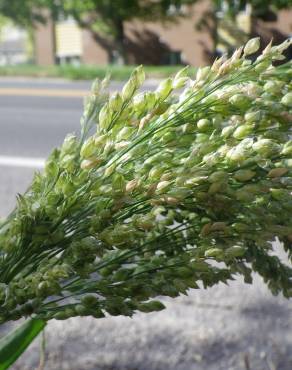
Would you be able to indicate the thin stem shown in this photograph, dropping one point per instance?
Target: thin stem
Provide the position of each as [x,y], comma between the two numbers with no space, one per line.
[42,351]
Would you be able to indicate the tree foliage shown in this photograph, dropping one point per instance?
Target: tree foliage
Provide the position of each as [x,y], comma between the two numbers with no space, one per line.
[222,16]
[259,7]
[23,14]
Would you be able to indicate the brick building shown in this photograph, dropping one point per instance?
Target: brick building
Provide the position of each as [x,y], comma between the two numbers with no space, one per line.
[154,43]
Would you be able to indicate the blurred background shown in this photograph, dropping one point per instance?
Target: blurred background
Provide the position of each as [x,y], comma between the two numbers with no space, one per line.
[98,33]
[50,50]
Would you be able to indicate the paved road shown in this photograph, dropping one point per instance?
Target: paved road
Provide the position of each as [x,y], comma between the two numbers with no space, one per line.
[237,327]
[37,114]
[34,119]
[31,125]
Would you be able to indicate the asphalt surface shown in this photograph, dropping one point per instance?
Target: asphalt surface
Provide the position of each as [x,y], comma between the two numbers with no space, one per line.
[33,120]
[235,327]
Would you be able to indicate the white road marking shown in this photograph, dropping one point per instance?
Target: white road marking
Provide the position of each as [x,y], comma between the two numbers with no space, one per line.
[22,91]
[24,162]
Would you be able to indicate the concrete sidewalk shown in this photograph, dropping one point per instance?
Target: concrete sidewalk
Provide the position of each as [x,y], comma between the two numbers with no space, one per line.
[224,328]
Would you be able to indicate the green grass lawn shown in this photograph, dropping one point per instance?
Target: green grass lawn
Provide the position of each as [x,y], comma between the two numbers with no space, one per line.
[85,72]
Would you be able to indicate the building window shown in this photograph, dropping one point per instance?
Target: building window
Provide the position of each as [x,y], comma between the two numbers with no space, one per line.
[235,5]
[173,58]
[177,9]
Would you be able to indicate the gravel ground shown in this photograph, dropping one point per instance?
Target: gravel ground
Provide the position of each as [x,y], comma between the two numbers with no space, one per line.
[237,327]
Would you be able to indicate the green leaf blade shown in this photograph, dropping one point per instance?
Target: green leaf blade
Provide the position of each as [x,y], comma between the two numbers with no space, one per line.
[16,342]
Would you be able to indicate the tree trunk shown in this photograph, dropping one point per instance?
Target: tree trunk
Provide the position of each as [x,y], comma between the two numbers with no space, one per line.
[116,48]
[214,32]
[120,42]
[105,44]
